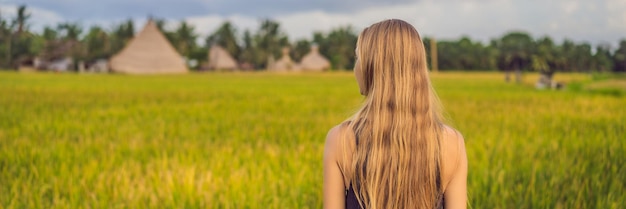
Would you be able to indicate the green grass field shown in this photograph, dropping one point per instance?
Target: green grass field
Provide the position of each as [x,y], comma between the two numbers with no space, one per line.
[255,140]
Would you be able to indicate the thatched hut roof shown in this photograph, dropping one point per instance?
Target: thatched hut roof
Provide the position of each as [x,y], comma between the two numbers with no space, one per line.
[219,58]
[284,63]
[149,52]
[314,61]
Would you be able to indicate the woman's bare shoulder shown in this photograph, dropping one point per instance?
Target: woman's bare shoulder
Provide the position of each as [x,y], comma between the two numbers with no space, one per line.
[334,139]
[334,149]
[453,153]
[335,134]
[452,139]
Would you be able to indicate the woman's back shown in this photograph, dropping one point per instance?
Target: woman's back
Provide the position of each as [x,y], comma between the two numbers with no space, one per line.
[351,195]
[452,177]
[406,157]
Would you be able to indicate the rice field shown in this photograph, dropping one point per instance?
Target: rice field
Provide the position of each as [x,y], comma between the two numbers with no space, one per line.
[255,140]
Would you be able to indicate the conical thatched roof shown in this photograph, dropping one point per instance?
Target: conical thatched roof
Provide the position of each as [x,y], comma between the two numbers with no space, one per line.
[148,52]
[219,58]
[284,63]
[314,61]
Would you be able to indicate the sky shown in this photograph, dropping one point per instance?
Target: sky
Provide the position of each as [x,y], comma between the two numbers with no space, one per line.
[592,21]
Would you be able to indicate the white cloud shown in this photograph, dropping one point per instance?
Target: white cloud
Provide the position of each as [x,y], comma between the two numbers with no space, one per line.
[599,21]
[616,16]
[570,7]
[579,20]
[39,17]
[206,25]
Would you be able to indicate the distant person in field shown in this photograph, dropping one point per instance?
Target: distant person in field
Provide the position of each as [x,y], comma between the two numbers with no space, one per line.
[395,152]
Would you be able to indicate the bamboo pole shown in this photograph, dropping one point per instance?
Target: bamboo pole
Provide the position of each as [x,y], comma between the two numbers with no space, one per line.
[433,55]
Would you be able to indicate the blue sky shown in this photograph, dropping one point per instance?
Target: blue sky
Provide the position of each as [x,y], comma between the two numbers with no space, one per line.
[594,21]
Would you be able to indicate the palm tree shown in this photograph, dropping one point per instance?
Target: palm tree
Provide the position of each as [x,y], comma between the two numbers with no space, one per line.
[70,45]
[248,51]
[515,53]
[185,42]
[5,31]
[97,44]
[225,36]
[70,31]
[22,17]
[338,46]
[14,49]
[121,35]
[543,60]
[619,57]
[185,38]
[268,42]
[301,48]
[602,58]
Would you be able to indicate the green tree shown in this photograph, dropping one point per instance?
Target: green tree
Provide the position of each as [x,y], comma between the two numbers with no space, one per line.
[121,34]
[248,50]
[21,19]
[50,34]
[185,42]
[602,58]
[544,60]
[268,41]
[70,31]
[578,56]
[468,51]
[338,46]
[4,39]
[461,54]
[301,48]
[185,39]
[225,36]
[97,44]
[426,41]
[491,54]
[8,42]
[69,44]
[449,55]
[464,54]
[619,57]
[515,50]
[169,35]
[51,42]
[544,57]
[19,43]
[341,45]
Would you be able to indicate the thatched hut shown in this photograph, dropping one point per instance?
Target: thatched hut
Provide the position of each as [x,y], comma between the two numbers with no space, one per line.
[284,63]
[149,52]
[314,61]
[220,59]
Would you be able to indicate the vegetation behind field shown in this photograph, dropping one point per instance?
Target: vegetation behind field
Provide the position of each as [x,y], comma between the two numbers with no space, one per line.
[88,44]
[255,140]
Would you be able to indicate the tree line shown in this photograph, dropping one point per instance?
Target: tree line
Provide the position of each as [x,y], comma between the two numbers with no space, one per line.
[514,51]
[519,50]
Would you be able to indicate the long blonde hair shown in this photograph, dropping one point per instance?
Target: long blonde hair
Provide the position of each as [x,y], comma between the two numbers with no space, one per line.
[396,163]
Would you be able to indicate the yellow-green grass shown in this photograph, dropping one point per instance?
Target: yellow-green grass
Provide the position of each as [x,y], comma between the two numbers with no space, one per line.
[255,140]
